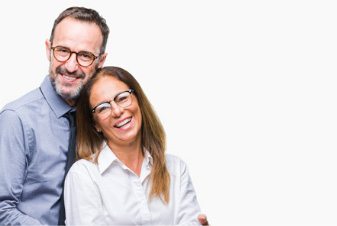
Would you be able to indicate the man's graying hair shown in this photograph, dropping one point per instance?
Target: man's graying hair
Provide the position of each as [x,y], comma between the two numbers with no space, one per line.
[86,15]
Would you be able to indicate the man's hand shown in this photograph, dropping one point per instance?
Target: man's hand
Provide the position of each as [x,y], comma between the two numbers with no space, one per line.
[203,219]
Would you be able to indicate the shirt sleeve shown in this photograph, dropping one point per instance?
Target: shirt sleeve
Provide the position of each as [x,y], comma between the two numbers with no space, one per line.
[13,167]
[188,206]
[82,199]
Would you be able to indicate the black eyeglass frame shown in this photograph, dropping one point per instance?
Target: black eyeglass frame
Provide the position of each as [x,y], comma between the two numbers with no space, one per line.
[93,110]
[76,53]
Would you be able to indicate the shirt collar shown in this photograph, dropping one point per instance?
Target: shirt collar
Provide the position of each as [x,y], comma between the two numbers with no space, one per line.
[106,157]
[55,101]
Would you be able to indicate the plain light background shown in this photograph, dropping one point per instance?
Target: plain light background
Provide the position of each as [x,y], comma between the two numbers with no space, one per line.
[246,91]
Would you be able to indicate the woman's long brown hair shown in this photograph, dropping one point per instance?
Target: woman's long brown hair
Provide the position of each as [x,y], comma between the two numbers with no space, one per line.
[89,141]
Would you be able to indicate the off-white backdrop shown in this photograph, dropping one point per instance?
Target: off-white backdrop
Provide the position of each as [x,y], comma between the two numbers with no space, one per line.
[245,89]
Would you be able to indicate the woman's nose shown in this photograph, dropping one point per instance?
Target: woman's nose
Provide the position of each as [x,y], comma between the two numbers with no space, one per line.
[116,110]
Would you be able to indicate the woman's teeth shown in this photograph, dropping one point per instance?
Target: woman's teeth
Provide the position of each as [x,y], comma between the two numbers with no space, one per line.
[122,123]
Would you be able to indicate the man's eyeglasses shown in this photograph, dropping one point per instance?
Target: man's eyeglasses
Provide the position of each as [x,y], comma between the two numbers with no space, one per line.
[123,99]
[83,58]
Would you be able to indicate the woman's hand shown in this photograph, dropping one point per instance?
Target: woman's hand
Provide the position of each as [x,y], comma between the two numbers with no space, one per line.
[203,219]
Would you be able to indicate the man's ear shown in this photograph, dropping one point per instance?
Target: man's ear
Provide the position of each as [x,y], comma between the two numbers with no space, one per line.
[48,50]
[102,60]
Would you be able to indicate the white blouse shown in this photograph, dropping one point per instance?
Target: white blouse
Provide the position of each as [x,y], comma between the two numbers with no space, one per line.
[109,193]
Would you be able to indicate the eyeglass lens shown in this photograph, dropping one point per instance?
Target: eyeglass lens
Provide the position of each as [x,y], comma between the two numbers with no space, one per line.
[84,58]
[122,100]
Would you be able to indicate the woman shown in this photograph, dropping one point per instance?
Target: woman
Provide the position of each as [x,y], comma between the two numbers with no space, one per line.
[124,176]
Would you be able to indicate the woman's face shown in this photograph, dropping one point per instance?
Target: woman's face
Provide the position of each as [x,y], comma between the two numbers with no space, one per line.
[119,125]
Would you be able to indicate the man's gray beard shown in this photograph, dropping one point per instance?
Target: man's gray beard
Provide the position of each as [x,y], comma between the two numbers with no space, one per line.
[73,95]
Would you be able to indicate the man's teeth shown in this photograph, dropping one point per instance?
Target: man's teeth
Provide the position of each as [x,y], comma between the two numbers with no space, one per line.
[122,123]
[69,78]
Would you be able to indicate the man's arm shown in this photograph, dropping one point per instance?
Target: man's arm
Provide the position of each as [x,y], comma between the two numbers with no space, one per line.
[13,167]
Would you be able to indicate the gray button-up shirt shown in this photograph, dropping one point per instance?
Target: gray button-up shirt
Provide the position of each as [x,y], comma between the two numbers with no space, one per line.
[33,150]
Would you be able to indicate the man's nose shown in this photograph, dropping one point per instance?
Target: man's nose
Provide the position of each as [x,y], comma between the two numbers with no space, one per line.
[72,64]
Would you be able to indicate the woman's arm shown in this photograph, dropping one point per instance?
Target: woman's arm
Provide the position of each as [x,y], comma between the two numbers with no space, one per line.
[189,209]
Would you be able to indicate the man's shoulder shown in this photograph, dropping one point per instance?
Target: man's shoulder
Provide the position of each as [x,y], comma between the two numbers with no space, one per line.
[25,102]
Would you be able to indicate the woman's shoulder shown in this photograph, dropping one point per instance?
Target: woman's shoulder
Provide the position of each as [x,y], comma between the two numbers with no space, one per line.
[174,162]
[84,162]
[173,158]
[82,165]
[82,171]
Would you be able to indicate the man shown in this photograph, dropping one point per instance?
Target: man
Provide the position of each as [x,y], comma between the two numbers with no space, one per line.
[34,129]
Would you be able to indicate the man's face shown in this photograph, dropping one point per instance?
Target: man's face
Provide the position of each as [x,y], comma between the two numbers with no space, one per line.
[69,76]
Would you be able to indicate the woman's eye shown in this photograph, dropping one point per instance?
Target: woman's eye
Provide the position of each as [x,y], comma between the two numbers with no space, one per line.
[103,107]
